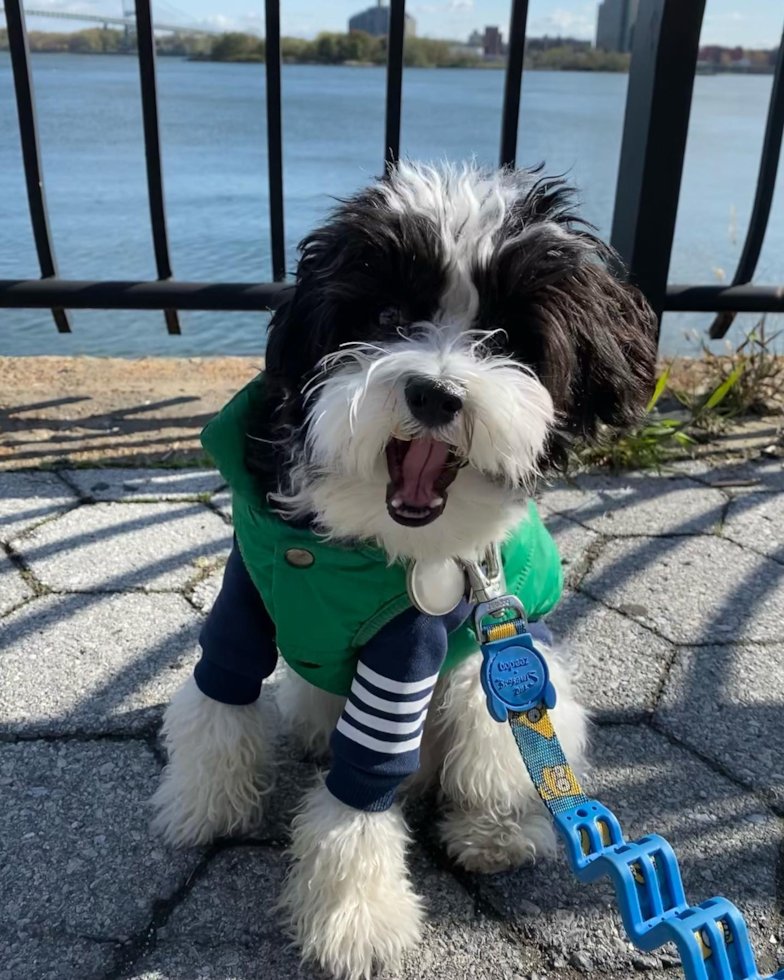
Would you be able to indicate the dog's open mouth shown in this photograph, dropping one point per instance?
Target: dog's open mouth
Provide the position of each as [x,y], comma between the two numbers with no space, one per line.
[420,470]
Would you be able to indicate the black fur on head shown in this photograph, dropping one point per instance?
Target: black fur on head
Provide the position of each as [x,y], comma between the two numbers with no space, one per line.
[386,259]
[558,294]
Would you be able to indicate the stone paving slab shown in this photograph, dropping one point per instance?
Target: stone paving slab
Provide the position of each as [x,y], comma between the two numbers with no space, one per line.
[57,959]
[588,495]
[75,664]
[638,504]
[76,857]
[204,592]
[567,499]
[112,546]
[691,589]
[13,588]
[457,942]
[26,499]
[756,520]
[620,665]
[727,703]
[574,544]
[725,841]
[650,506]
[267,960]
[143,484]
[743,477]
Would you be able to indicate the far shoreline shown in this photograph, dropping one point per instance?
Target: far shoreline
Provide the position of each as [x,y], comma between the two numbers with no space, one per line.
[483,66]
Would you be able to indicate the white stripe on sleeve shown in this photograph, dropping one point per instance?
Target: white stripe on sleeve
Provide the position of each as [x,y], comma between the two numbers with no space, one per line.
[392,707]
[387,748]
[381,724]
[395,687]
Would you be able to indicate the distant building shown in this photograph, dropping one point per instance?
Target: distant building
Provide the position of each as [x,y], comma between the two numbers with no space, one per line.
[493,43]
[615,25]
[375,21]
[714,57]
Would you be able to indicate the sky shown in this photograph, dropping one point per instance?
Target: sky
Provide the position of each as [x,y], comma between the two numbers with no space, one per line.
[750,23]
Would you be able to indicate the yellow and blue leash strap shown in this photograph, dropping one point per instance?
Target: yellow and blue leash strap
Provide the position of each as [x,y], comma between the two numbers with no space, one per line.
[712,938]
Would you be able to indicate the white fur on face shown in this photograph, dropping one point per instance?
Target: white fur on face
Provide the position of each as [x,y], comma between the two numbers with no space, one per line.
[360,405]
[357,404]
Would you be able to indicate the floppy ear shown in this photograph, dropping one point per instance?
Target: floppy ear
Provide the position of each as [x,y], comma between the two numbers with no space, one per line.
[597,338]
[300,331]
[590,337]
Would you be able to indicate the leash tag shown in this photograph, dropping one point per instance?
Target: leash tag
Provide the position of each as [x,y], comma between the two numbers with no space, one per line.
[514,675]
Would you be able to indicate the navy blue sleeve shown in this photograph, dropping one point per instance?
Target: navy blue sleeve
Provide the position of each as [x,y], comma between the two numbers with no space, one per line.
[376,743]
[237,640]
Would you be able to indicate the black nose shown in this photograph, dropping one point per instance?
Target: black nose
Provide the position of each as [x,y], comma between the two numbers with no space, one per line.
[434,401]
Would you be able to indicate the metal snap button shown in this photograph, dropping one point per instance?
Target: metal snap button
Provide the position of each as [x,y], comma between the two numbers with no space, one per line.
[299,558]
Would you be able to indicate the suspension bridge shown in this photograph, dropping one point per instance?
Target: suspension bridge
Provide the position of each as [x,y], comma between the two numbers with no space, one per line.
[173,18]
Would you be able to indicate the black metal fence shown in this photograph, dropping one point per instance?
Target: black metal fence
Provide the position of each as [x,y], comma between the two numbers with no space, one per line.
[666,42]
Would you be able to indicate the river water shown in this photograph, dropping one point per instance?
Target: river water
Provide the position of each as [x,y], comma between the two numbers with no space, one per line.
[214,146]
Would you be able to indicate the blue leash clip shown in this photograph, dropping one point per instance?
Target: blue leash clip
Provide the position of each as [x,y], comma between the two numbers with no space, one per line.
[515,676]
[712,938]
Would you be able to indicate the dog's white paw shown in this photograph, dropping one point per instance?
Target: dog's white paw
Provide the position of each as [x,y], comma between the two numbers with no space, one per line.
[218,771]
[487,842]
[348,900]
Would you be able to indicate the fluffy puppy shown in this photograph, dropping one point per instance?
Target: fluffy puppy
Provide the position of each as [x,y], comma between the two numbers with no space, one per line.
[452,329]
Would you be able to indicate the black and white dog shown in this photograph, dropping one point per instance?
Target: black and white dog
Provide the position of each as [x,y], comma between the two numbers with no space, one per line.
[490,288]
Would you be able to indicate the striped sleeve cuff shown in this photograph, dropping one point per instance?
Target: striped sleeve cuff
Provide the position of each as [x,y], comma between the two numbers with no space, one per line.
[377,739]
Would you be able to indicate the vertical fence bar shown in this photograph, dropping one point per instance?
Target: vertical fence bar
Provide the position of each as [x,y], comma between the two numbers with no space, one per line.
[28,134]
[661,80]
[513,83]
[275,138]
[763,197]
[395,43]
[152,148]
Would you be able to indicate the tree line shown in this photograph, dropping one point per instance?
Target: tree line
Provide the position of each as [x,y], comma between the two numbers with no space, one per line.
[326,49]
[340,49]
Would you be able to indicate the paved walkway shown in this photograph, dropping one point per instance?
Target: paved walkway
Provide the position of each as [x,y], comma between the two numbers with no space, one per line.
[675,614]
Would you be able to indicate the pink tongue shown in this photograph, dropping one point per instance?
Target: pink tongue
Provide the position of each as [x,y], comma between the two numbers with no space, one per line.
[422,465]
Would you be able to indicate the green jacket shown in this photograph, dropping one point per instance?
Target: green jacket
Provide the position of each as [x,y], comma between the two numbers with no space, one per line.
[324,613]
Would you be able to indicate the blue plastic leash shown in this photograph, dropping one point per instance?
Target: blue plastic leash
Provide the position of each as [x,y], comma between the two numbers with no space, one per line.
[712,937]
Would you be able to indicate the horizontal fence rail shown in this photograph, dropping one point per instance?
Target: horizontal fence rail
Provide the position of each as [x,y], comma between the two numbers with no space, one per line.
[742,299]
[248,297]
[666,39]
[142,295]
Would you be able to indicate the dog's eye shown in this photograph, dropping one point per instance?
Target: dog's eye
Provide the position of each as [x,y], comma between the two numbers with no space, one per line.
[390,317]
